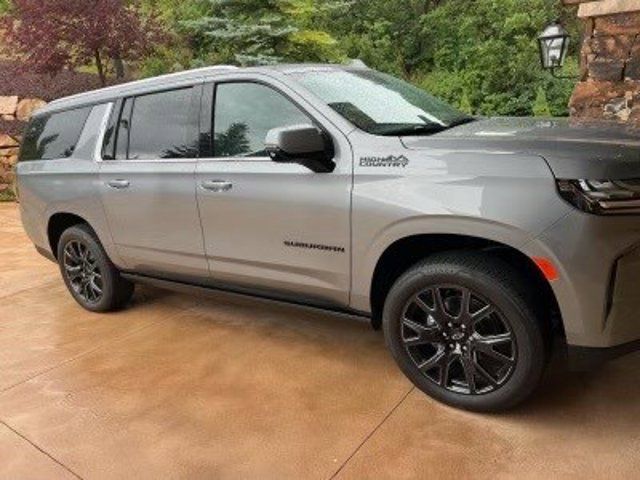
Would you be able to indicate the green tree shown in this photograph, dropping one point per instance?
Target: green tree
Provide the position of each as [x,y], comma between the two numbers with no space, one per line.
[178,54]
[491,52]
[540,106]
[253,32]
[481,55]
[386,36]
[465,104]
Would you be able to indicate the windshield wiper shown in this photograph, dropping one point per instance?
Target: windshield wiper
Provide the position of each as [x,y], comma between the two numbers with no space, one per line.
[417,129]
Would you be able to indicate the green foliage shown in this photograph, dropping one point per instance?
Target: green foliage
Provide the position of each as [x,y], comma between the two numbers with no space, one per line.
[541,104]
[251,32]
[491,52]
[7,195]
[481,55]
[465,104]
[485,50]
[179,53]
[385,35]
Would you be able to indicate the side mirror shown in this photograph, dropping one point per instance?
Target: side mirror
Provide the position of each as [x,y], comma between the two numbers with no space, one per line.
[302,144]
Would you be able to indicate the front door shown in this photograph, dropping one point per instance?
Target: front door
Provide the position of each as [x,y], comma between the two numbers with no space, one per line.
[272,227]
[147,185]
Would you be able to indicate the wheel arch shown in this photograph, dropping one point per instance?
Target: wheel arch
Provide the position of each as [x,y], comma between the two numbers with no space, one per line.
[57,224]
[406,251]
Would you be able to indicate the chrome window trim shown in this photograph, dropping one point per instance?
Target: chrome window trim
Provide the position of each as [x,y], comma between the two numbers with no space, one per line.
[236,159]
[154,160]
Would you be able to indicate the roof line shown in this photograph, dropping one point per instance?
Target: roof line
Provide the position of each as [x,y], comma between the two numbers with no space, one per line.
[145,81]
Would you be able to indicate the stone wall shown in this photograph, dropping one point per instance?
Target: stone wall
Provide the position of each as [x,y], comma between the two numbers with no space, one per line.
[610,84]
[14,113]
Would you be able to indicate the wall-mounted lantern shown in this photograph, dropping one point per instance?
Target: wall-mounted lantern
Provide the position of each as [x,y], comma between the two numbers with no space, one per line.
[554,46]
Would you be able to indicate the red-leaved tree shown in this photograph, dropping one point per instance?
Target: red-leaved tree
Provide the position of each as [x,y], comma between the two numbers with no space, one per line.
[49,36]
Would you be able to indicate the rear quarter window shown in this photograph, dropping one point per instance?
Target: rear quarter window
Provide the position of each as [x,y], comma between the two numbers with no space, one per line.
[54,135]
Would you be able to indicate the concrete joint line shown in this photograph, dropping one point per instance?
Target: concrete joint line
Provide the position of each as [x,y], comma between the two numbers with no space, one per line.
[44,452]
[372,433]
[72,359]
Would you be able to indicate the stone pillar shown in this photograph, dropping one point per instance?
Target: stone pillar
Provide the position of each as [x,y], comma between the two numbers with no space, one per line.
[610,84]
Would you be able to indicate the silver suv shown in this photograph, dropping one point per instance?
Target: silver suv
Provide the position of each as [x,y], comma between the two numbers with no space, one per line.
[472,242]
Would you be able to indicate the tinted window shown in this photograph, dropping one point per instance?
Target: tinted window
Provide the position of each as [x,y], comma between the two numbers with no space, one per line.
[244,113]
[161,127]
[54,135]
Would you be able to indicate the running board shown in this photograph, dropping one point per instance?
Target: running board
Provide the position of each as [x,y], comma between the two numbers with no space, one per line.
[184,287]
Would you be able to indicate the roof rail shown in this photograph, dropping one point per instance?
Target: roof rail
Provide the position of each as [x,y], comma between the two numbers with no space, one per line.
[149,80]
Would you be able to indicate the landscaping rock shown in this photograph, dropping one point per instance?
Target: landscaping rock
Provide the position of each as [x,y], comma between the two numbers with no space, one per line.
[27,106]
[8,105]
[8,142]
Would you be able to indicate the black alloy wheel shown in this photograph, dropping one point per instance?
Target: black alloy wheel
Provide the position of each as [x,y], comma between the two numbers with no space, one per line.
[465,329]
[92,279]
[82,271]
[459,340]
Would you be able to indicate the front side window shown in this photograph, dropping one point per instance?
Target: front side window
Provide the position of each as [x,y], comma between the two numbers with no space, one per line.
[54,135]
[380,104]
[159,126]
[244,113]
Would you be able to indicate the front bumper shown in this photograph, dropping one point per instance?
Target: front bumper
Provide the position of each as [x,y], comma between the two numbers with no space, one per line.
[586,358]
[622,315]
[598,289]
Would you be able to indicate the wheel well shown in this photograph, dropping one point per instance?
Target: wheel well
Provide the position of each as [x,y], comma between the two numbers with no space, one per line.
[408,251]
[58,223]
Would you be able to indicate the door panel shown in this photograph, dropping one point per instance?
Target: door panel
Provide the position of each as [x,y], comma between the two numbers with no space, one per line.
[278,228]
[154,220]
[147,184]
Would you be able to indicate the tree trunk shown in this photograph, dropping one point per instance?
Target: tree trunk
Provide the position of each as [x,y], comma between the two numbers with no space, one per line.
[101,74]
[119,67]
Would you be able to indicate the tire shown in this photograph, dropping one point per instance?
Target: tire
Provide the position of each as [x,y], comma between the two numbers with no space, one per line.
[489,359]
[90,276]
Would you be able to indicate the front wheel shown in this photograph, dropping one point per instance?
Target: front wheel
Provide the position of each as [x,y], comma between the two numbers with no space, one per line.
[93,281]
[462,328]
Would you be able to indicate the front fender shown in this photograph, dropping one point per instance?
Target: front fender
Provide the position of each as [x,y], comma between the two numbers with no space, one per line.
[364,264]
[502,197]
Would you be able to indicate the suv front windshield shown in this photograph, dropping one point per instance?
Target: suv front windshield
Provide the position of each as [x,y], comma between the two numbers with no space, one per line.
[380,104]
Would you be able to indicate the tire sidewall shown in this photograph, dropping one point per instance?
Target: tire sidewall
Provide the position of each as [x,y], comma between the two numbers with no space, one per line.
[106,269]
[521,320]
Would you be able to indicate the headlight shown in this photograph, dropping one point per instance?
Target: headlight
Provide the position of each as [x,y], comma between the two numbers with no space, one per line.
[602,197]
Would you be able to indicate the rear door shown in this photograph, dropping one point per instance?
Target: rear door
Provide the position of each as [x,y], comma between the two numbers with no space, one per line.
[276,228]
[147,183]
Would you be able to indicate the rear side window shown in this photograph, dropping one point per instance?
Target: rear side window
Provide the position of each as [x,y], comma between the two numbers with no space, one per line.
[53,136]
[161,127]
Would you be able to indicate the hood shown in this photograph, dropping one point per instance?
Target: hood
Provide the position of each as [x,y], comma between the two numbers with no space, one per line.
[595,151]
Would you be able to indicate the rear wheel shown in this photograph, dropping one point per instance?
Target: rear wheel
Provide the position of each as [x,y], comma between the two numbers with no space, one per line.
[462,328]
[93,281]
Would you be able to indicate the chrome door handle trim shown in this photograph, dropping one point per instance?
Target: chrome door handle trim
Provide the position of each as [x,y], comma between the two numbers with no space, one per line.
[119,184]
[216,185]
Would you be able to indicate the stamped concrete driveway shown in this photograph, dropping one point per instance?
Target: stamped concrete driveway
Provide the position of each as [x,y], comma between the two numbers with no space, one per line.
[179,386]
